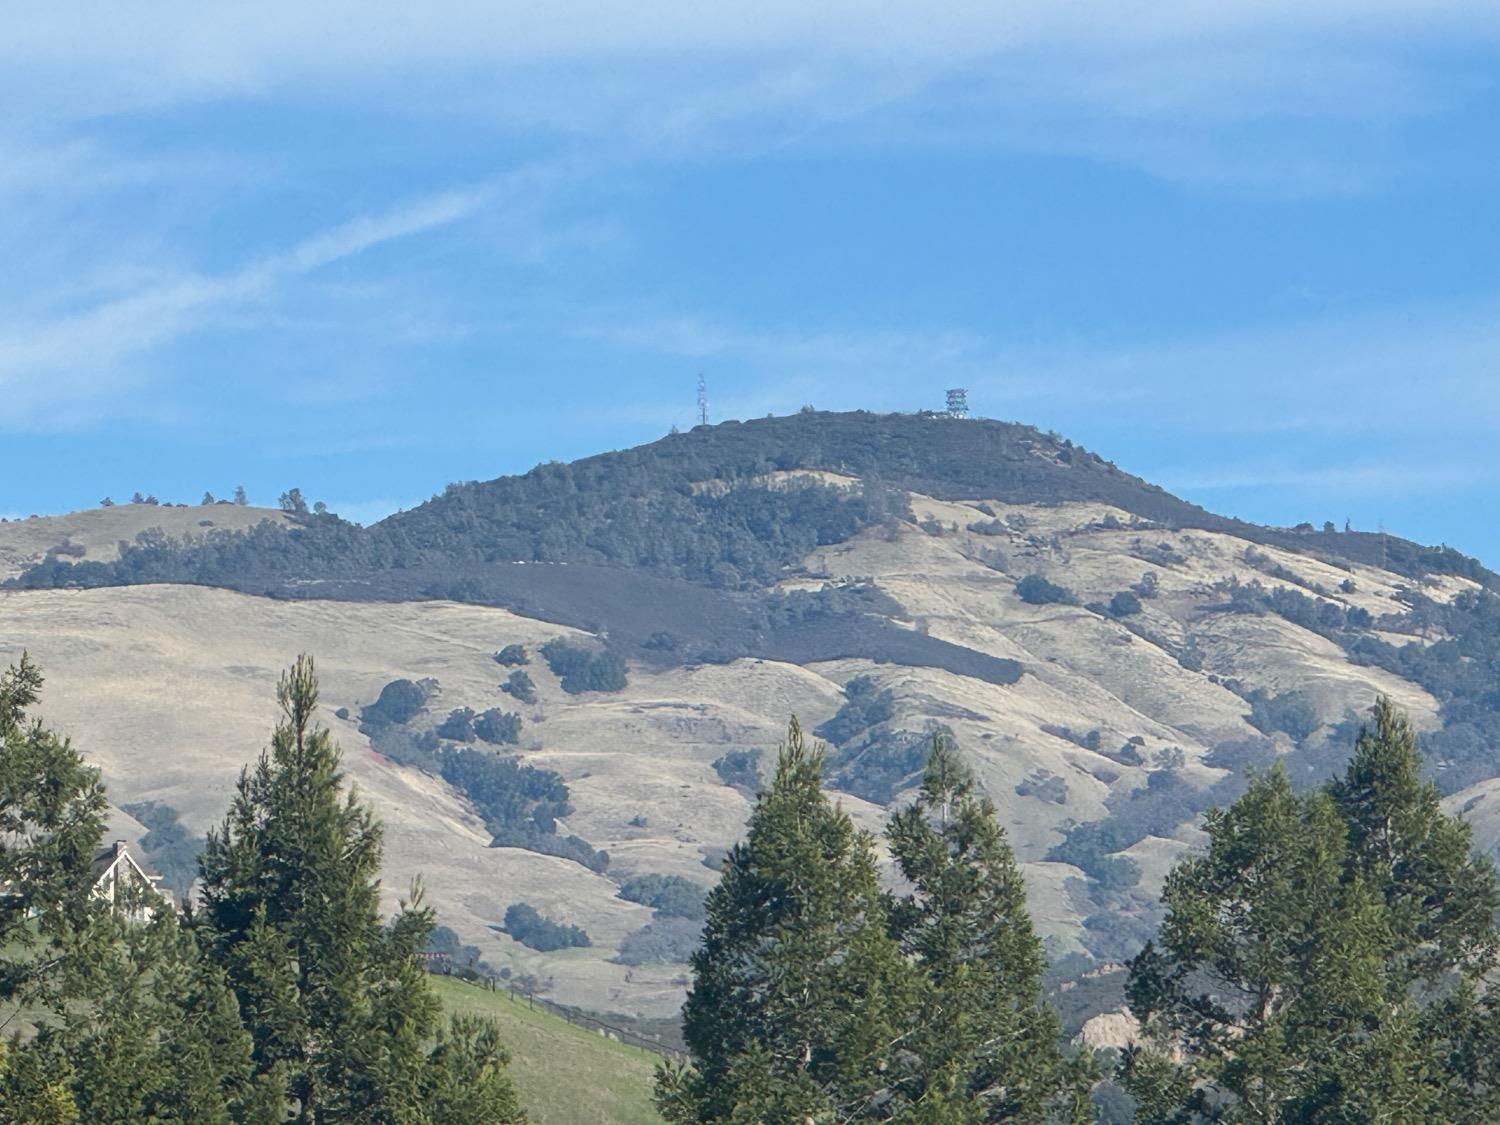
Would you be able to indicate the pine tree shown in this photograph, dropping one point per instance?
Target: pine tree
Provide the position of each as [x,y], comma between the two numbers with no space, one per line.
[51,818]
[1442,898]
[129,1022]
[1321,962]
[466,1080]
[160,1036]
[799,990]
[983,1045]
[335,1000]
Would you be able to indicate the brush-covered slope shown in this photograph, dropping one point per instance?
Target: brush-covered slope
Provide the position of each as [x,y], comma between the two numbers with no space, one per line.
[1109,658]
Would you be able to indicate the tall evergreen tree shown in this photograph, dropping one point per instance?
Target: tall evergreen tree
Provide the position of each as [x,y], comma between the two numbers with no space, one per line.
[1442,898]
[799,990]
[983,1044]
[129,1022]
[1321,961]
[160,1038]
[335,999]
[52,810]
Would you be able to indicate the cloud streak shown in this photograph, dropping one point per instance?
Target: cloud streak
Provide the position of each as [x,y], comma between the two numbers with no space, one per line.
[1032,72]
[67,367]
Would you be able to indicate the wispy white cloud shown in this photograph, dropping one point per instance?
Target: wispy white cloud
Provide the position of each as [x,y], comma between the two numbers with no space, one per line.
[1405,478]
[69,369]
[1030,72]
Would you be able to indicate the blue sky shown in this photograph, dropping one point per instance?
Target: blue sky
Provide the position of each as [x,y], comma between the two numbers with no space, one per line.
[1248,251]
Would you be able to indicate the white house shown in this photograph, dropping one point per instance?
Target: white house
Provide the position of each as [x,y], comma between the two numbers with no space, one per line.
[120,879]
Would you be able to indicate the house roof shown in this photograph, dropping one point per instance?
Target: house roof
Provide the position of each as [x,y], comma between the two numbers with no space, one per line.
[119,852]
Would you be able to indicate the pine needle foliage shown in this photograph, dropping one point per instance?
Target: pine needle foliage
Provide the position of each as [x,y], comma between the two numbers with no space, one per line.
[52,810]
[818,997]
[1324,960]
[335,1000]
[983,1043]
[125,1021]
[799,988]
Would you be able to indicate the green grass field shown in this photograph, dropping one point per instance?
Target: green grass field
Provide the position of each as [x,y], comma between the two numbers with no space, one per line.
[566,1075]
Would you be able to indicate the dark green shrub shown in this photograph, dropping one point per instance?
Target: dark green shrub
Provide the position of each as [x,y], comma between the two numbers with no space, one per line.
[1124,604]
[1091,740]
[739,768]
[668,940]
[521,686]
[1036,590]
[1290,712]
[865,706]
[671,896]
[458,726]
[512,655]
[399,701]
[1044,785]
[581,669]
[1241,755]
[518,804]
[501,728]
[532,928]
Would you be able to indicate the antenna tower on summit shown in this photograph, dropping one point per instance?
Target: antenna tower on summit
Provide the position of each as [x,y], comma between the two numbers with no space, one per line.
[958,402]
[702,401]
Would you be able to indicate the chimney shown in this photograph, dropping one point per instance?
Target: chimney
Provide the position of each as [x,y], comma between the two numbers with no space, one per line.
[119,848]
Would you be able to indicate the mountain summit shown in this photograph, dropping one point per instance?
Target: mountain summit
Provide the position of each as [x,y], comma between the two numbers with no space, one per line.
[560,688]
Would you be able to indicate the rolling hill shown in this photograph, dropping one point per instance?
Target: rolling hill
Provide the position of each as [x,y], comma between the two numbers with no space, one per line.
[1109,658]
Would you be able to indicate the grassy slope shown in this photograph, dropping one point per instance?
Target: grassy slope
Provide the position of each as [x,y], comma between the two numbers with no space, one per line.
[565,1074]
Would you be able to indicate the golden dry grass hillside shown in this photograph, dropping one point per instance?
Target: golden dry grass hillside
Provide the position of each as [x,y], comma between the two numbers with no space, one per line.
[170,691]
[95,535]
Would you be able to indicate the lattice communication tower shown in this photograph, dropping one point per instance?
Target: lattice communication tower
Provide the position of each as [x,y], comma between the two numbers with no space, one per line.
[702,401]
[958,402]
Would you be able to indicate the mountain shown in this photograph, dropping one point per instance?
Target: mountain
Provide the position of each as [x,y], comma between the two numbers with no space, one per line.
[1109,658]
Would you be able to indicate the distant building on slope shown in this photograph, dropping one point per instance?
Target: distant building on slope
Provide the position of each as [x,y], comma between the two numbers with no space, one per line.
[127,885]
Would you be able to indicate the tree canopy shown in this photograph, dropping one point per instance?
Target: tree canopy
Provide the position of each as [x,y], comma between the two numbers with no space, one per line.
[1322,960]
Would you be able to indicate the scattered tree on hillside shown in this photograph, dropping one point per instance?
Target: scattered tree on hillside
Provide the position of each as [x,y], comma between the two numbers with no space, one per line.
[293,502]
[458,726]
[512,655]
[499,728]
[1321,961]
[580,669]
[1036,590]
[532,928]
[239,496]
[671,896]
[399,701]
[521,686]
[740,769]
